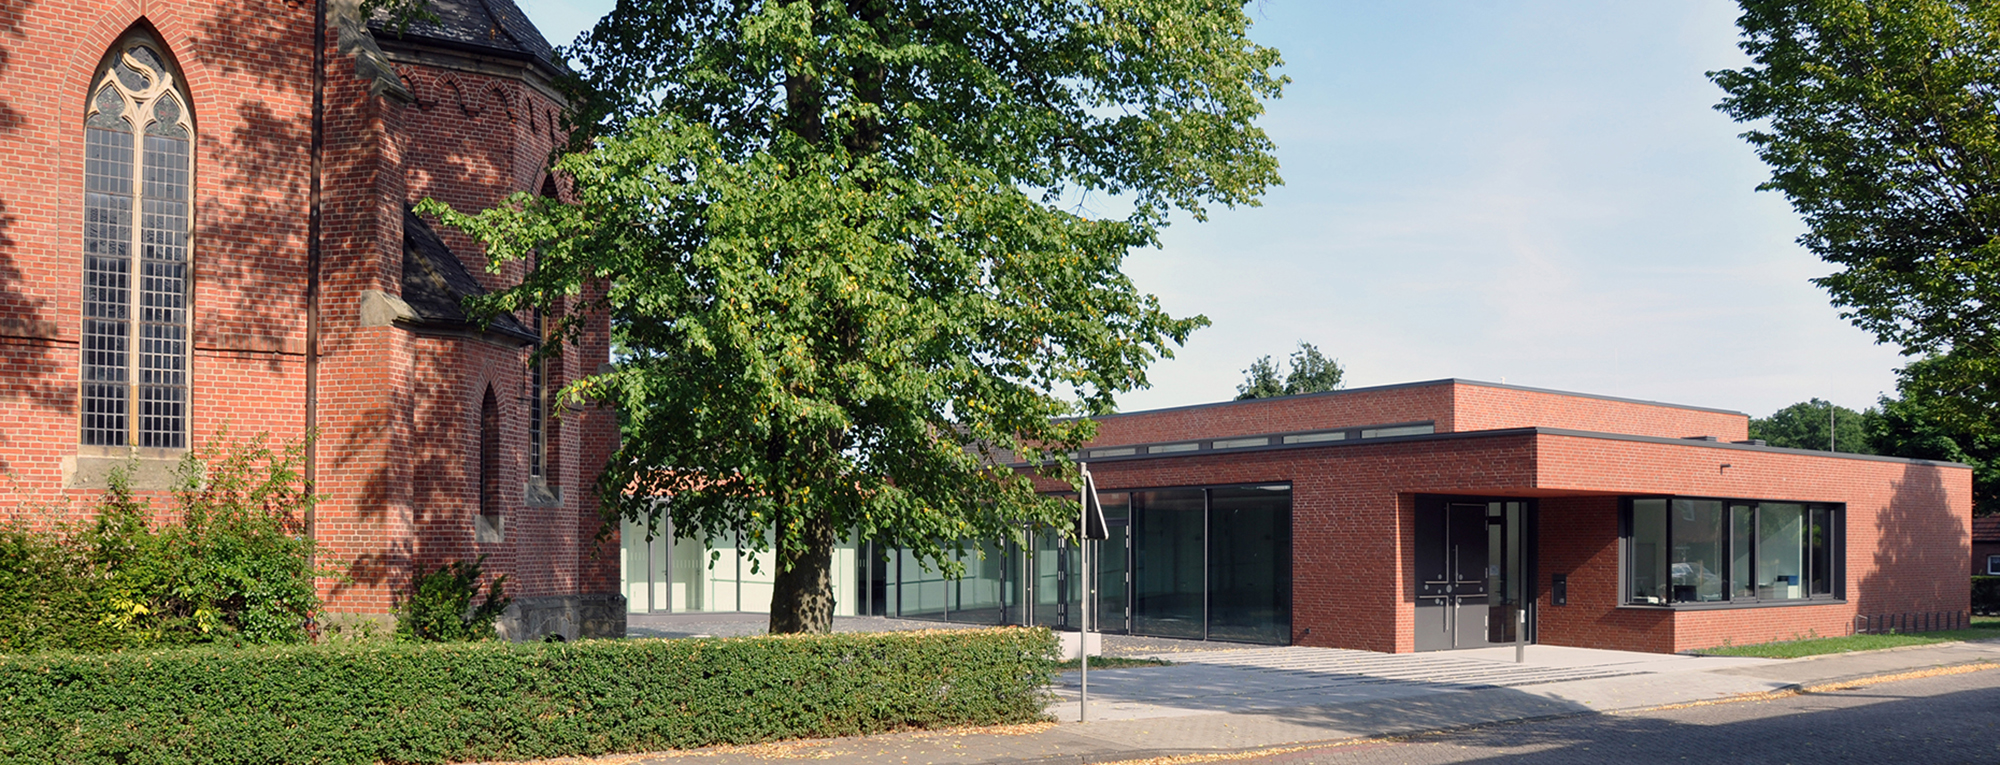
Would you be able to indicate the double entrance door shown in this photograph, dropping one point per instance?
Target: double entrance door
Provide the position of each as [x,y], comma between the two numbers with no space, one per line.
[1473,570]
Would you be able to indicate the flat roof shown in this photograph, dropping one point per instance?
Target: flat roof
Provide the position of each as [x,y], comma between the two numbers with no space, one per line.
[1424,384]
[1276,441]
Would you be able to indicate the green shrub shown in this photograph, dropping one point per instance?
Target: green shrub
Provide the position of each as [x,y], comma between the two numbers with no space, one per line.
[1986,595]
[232,563]
[48,596]
[425,703]
[439,608]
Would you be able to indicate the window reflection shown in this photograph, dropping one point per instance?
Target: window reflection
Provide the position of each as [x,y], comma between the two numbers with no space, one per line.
[1695,566]
[1775,551]
[1649,550]
[1204,563]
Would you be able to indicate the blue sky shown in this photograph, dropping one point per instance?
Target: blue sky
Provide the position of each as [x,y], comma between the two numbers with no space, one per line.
[1534,192]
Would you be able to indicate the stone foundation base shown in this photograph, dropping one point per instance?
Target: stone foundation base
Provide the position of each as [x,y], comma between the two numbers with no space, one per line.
[357,628]
[598,615]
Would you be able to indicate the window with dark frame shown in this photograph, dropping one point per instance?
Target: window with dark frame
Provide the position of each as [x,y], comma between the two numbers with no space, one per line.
[538,403]
[1993,565]
[542,435]
[489,454]
[138,172]
[1706,551]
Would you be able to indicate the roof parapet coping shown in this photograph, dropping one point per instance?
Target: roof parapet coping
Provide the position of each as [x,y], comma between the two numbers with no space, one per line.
[1423,384]
[1144,452]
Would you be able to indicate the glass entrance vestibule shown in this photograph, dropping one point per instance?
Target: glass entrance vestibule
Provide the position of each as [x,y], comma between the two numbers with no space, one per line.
[1210,563]
[1197,563]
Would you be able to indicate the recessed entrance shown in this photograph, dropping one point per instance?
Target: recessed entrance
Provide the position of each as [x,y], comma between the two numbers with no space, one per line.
[1473,565]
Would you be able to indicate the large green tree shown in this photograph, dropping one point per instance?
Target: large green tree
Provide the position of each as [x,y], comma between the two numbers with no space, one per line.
[844,256]
[1878,119]
[1805,425]
[1938,415]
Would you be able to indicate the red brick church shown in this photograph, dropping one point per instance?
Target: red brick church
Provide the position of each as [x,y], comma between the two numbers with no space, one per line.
[205,226]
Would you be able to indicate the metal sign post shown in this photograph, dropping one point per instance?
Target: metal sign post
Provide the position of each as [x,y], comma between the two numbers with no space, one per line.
[1521,633]
[1090,527]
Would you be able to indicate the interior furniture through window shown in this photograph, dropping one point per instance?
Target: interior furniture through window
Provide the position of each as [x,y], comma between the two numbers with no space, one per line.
[1692,551]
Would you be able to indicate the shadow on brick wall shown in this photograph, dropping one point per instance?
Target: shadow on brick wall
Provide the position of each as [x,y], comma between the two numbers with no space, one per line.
[28,339]
[10,31]
[1921,551]
[266,175]
[268,53]
[264,178]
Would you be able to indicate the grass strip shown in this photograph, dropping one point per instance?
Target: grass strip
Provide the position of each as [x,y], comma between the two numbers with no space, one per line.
[1983,628]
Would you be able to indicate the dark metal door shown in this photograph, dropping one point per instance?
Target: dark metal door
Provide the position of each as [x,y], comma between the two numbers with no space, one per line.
[1452,542]
[1467,537]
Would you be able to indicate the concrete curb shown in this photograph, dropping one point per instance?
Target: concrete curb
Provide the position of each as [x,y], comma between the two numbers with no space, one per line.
[1147,754]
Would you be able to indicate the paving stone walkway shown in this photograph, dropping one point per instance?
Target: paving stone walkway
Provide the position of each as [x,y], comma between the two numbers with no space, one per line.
[1220,698]
[1367,667]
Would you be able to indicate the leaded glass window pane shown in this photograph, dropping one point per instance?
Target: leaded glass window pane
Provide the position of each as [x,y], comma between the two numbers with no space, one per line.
[538,395]
[135,350]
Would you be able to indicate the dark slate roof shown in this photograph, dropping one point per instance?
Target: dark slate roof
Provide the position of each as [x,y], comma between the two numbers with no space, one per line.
[491,26]
[436,284]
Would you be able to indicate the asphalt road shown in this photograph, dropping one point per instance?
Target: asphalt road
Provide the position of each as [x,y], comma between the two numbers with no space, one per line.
[1946,719]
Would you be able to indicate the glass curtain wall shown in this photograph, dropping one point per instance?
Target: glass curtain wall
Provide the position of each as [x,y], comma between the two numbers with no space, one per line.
[1170,563]
[1203,563]
[1210,563]
[1249,564]
[663,574]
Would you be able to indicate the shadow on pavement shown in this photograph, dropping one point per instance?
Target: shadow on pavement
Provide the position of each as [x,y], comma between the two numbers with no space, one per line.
[1882,725]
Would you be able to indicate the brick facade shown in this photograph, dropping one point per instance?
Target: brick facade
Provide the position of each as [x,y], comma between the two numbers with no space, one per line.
[1985,542]
[1451,405]
[397,402]
[1354,506]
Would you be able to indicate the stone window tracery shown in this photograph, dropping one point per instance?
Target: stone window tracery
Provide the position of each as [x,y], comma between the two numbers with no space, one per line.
[137,232]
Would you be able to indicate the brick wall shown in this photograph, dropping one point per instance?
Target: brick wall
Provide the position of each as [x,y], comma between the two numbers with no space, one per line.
[249,95]
[1985,541]
[396,437]
[1486,407]
[1319,411]
[1456,406]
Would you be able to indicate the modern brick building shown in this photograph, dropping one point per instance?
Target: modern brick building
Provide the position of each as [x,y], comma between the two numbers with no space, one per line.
[1986,545]
[1443,514]
[201,231]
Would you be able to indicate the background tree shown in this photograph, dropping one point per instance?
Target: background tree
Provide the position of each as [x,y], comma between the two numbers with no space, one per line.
[1878,120]
[1804,426]
[840,261]
[1310,372]
[1261,380]
[1936,416]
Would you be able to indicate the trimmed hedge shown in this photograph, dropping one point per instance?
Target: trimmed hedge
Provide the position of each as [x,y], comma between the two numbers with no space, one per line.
[432,703]
[1986,595]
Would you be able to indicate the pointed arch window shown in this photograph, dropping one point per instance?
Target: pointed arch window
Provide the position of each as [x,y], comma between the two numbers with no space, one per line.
[138,172]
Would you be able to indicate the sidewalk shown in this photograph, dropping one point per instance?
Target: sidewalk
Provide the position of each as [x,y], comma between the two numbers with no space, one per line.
[1224,701]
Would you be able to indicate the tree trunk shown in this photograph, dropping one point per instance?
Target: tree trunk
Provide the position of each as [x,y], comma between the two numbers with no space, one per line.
[802,596]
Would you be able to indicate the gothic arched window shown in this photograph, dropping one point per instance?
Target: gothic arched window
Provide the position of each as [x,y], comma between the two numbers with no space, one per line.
[138,168]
